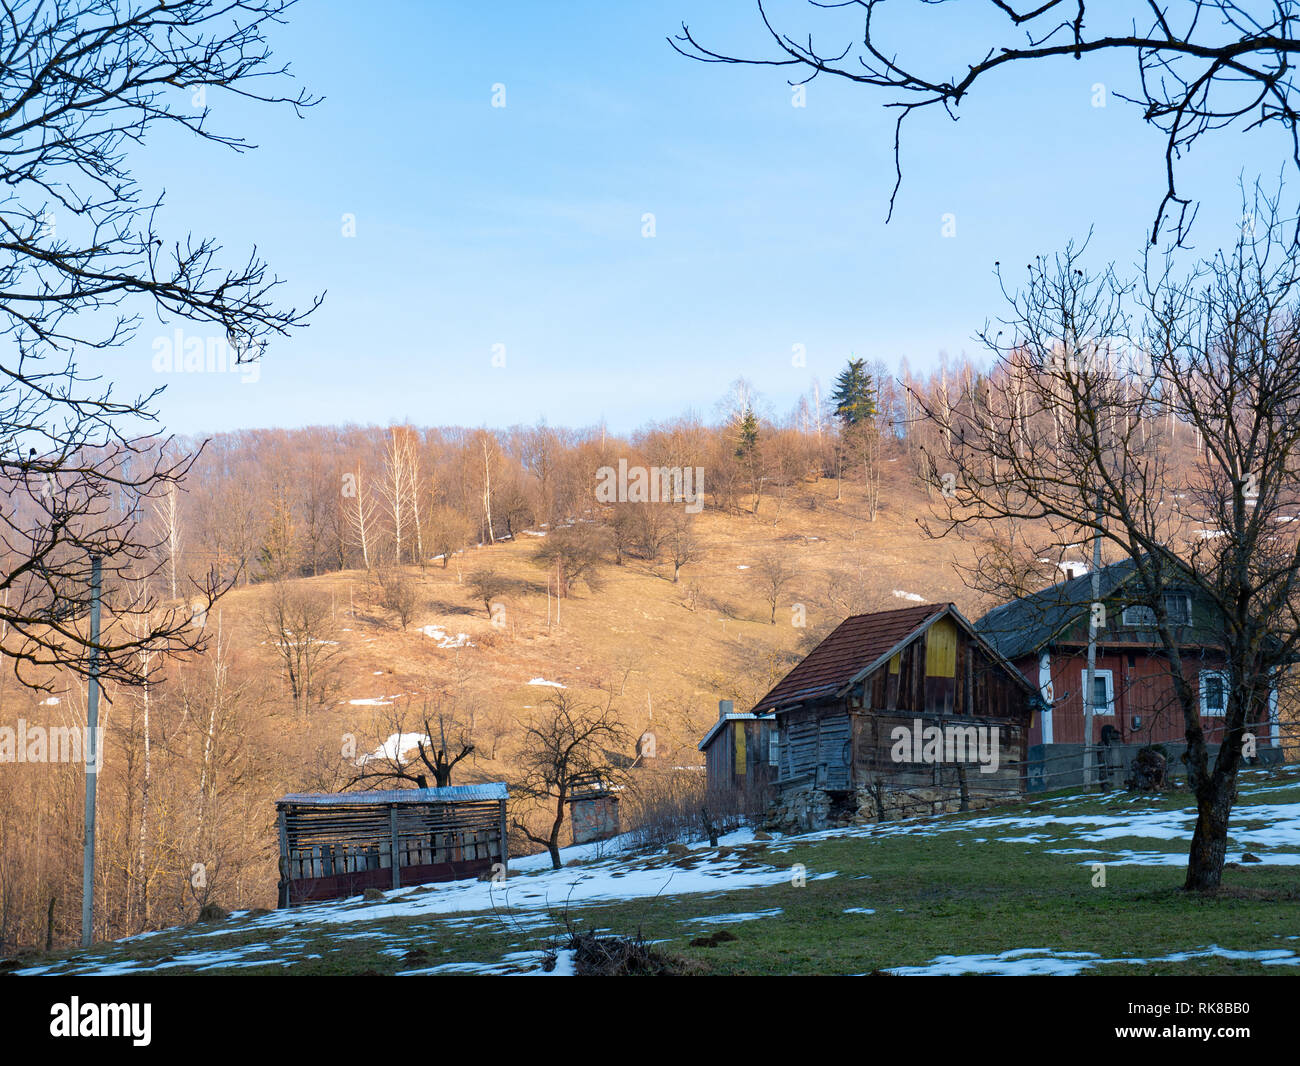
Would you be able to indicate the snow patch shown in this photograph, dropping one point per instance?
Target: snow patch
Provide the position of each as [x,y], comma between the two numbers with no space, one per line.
[444,639]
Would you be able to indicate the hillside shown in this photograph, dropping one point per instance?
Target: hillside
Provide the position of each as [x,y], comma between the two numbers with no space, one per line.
[670,651]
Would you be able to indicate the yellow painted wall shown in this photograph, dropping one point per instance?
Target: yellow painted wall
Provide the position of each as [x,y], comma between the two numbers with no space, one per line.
[941,649]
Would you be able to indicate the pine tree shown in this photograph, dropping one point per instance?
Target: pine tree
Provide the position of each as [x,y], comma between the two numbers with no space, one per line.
[747,436]
[855,394]
[749,454]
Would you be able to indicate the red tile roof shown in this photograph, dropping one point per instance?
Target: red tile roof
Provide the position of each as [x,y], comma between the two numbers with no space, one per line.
[856,643]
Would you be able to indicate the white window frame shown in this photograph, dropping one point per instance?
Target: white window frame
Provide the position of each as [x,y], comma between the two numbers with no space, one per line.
[1145,623]
[1109,677]
[1206,711]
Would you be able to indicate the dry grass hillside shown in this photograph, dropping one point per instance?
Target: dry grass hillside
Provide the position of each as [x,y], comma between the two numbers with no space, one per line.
[667,651]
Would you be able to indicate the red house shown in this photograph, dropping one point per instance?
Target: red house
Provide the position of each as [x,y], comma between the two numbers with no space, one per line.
[1046,636]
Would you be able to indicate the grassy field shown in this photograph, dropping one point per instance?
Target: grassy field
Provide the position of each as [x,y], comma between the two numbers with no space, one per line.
[1014,890]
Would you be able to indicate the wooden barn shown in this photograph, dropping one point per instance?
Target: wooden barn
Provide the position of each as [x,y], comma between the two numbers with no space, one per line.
[897,712]
[334,845]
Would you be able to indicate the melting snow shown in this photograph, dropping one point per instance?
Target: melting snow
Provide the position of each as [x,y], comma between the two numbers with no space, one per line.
[1046,962]
[460,640]
[727,919]
[395,747]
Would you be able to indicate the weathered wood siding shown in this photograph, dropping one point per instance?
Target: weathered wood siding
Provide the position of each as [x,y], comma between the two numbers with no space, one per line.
[738,756]
[942,677]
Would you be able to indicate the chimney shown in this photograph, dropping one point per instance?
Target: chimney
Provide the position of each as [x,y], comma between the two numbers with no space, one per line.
[725,707]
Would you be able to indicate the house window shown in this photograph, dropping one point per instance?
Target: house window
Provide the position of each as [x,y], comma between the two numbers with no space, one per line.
[1138,616]
[774,748]
[1178,606]
[1103,700]
[1214,692]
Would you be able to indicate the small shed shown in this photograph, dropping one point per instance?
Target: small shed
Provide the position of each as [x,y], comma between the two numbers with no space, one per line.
[593,808]
[740,751]
[334,845]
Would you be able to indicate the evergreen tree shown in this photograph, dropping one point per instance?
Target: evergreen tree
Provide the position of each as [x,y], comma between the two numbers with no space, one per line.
[748,453]
[747,436]
[855,394]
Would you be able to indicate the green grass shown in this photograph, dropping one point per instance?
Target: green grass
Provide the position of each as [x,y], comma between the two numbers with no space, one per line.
[958,891]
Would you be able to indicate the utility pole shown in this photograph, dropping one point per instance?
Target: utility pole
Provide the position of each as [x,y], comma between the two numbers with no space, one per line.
[92,761]
[1090,684]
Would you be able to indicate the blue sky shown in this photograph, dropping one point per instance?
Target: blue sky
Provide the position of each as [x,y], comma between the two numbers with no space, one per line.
[522,226]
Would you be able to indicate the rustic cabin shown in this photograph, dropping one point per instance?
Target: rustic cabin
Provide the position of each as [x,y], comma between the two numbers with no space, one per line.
[1045,635]
[895,713]
[334,845]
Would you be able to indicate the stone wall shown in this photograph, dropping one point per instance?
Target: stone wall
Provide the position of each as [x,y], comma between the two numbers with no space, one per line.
[806,808]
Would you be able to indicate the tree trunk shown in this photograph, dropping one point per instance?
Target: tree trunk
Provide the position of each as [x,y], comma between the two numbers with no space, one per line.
[553,843]
[1216,791]
[1210,838]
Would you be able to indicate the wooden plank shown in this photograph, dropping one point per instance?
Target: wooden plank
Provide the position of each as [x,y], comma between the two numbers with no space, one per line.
[505,840]
[395,847]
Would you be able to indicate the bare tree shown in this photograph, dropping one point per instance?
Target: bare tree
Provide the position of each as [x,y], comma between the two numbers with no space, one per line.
[774,571]
[400,487]
[490,457]
[683,545]
[449,533]
[398,593]
[1201,65]
[81,262]
[169,519]
[569,739]
[299,624]
[445,740]
[361,513]
[486,584]
[575,553]
[1218,348]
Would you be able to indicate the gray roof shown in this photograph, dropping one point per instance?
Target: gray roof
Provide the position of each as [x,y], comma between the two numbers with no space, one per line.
[1025,625]
[495,790]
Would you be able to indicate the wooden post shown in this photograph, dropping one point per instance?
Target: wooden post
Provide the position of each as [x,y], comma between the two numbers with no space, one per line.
[286,871]
[392,835]
[505,840]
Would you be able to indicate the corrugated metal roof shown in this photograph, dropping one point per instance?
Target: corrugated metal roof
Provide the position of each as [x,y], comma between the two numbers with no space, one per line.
[855,643]
[495,790]
[748,716]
